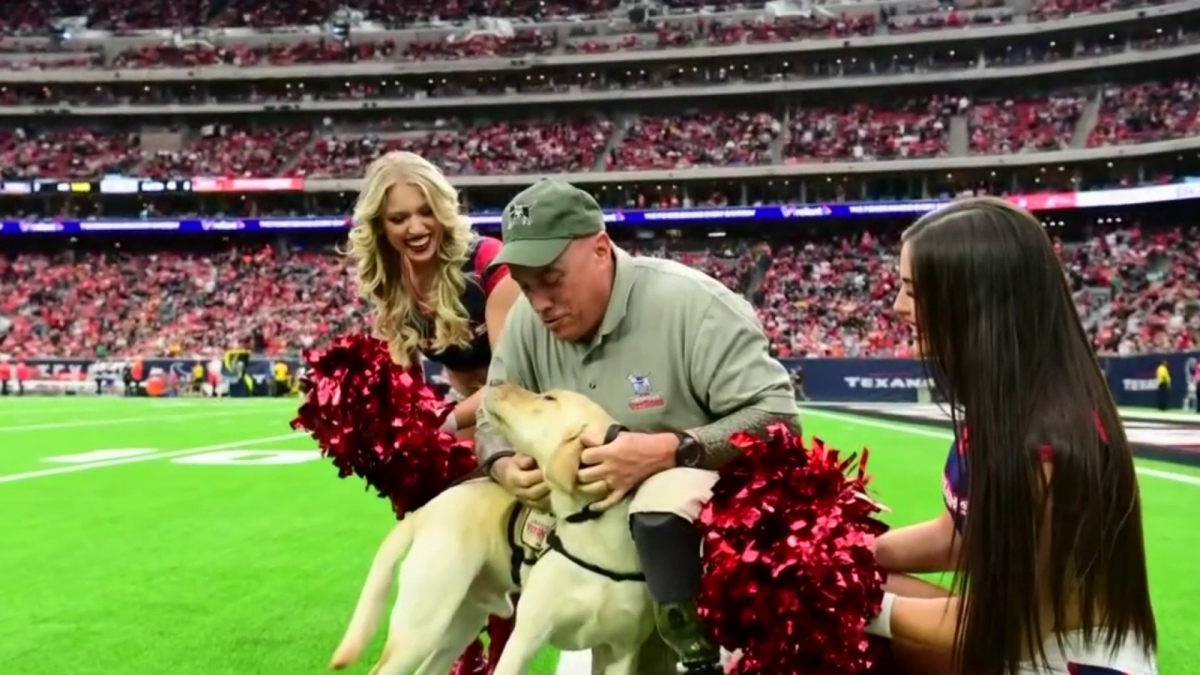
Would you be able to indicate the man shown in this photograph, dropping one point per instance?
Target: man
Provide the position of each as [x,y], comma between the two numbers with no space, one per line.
[280,383]
[798,383]
[1162,375]
[673,355]
[198,377]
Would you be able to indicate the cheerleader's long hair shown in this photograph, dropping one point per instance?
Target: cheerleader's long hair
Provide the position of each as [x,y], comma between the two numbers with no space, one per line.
[1002,340]
[379,268]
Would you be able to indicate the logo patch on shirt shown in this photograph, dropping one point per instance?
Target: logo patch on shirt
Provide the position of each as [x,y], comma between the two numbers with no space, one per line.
[644,396]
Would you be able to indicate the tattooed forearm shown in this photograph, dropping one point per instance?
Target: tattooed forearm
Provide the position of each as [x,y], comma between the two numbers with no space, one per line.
[715,437]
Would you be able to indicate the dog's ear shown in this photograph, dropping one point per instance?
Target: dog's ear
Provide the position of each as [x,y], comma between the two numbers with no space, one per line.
[564,466]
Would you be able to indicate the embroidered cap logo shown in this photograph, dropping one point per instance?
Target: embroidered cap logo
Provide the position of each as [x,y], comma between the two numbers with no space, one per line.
[520,215]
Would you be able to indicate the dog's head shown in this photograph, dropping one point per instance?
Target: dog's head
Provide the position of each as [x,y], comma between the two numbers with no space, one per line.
[547,427]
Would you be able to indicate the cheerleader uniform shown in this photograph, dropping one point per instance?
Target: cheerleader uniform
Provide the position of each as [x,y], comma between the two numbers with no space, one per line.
[480,283]
[1073,657]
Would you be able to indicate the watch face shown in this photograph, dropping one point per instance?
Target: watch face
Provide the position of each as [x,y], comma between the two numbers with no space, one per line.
[688,454]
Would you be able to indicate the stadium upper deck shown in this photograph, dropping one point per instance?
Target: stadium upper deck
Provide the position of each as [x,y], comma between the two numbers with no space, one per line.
[900,98]
[30,17]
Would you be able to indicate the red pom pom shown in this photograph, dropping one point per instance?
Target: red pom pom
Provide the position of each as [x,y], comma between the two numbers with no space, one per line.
[472,661]
[380,422]
[790,577]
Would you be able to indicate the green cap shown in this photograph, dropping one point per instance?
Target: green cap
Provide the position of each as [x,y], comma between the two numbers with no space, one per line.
[539,223]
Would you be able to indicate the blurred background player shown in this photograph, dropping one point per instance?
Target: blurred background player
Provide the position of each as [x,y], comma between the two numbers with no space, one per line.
[1162,376]
[280,382]
[199,376]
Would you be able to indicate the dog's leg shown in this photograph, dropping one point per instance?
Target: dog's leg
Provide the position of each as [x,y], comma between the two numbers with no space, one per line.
[375,593]
[519,651]
[464,629]
[528,636]
[434,582]
[613,662]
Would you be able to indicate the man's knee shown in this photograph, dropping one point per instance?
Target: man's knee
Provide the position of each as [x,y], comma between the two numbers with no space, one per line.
[680,491]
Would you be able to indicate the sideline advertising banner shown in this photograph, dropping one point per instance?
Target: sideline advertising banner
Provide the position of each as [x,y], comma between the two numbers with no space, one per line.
[1131,379]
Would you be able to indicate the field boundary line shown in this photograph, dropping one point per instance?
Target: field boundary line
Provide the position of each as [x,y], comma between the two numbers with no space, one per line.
[574,663]
[43,473]
[48,426]
[919,430]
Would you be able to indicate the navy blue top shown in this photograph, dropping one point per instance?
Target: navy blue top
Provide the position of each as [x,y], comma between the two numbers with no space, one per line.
[954,484]
[480,284]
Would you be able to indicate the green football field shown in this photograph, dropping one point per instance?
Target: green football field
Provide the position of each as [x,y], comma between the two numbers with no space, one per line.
[201,537]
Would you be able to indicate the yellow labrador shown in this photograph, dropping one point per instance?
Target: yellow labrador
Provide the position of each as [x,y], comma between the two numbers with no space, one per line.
[586,591]
[457,571]
[458,553]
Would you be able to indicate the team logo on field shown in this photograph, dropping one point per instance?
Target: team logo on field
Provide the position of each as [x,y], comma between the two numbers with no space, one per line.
[644,396]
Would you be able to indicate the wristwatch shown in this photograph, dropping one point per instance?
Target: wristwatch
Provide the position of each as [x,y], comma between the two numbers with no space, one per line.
[689,451]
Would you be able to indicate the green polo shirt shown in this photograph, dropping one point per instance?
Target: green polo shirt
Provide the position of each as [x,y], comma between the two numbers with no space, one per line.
[676,350]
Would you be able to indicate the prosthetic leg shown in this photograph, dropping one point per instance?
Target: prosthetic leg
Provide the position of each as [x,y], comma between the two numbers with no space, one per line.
[669,548]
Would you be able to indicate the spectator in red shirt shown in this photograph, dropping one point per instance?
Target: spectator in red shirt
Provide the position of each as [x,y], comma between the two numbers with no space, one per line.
[22,376]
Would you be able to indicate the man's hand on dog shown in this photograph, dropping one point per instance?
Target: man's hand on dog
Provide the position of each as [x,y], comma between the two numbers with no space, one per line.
[612,470]
[523,479]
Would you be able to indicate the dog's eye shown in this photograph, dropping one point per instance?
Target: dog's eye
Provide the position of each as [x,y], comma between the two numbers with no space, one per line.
[548,397]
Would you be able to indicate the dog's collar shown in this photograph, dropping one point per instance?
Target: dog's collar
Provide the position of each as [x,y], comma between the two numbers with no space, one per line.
[556,545]
[586,513]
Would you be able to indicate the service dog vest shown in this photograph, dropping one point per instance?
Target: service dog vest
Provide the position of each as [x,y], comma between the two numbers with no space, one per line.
[528,534]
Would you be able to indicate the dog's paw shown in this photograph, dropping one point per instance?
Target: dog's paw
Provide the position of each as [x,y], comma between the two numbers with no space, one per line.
[345,656]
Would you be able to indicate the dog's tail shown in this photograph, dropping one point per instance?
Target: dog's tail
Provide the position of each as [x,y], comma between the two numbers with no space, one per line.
[375,594]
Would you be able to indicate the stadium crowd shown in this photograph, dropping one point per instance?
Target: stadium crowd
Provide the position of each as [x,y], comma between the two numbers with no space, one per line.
[1136,291]
[24,17]
[1129,113]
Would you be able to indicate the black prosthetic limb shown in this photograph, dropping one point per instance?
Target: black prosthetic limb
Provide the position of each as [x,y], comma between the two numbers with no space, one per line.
[669,548]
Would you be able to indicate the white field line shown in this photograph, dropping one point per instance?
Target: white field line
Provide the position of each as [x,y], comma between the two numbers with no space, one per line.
[108,421]
[917,430]
[1151,414]
[574,663]
[43,473]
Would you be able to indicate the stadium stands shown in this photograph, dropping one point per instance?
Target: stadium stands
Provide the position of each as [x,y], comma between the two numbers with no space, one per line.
[1138,113]
[837,95]
[172,301]
[821,297]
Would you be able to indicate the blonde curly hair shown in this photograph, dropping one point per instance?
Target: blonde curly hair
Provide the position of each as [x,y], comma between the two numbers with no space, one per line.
[380,271]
